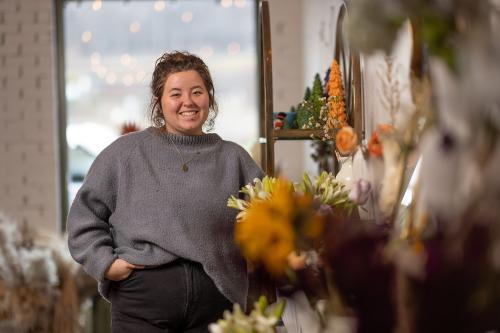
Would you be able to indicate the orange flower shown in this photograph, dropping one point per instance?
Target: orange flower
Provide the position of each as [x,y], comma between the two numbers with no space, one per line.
[375,145]
[346,140]
[385,128]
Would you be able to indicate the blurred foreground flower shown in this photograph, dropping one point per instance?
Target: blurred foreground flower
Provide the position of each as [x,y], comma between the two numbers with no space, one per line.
[262,319]
[272,228]
[375,146]
[360,191]
[328,191]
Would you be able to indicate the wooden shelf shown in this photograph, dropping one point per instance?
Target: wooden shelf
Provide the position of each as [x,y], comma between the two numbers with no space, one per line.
[297,134]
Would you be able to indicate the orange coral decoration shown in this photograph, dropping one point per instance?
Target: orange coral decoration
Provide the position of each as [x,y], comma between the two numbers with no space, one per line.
[346,140]
[336,98]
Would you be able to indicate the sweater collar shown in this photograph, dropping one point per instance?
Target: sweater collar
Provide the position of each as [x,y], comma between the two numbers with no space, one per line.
[181,139]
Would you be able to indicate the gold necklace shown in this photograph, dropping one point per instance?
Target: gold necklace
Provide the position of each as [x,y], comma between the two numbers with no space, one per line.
[184,167]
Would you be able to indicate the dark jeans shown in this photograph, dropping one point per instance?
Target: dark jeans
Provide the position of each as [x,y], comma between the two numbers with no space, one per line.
[176,297]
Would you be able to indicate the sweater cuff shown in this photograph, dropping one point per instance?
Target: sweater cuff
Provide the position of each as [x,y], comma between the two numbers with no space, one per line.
[100,264]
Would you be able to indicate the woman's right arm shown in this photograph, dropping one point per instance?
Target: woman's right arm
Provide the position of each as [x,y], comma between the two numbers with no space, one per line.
[89,236]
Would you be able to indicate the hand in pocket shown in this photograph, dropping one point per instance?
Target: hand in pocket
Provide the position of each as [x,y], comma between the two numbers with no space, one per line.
[120,270]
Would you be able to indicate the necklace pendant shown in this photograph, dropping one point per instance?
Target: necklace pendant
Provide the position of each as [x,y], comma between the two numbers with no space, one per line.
[185,167]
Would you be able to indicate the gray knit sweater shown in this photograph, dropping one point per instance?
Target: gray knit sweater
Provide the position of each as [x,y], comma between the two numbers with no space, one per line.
[137,204]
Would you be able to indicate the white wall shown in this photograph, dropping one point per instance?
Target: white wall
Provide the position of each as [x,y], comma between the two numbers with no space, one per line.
[288,83]
[28,178]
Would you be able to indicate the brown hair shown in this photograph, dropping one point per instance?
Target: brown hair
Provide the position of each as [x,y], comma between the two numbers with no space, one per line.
[175,62]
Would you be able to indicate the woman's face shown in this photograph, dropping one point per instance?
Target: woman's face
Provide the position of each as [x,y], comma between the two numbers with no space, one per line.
[185,103]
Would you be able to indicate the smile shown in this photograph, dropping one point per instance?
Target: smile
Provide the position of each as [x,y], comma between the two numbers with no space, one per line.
[188,113]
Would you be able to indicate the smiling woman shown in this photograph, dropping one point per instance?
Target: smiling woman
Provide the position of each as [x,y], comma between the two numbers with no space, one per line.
[182,94]
[185,103]
[107,77]
[151,213]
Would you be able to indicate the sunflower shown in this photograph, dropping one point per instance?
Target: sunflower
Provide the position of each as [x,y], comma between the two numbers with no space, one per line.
[265,233]
[272,227]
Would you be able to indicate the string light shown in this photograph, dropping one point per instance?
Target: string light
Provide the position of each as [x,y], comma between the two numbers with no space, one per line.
[233,48]
[206,51]
[159,6]
[140,75]
[240,3]
[187,17]
[95,58]
[135,27]
[96,5]
[128,80]
[101,71]
[111,78]
[86,36]
[226,3]
[125,59]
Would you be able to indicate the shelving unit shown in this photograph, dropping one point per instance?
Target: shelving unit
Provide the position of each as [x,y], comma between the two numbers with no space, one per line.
[350,65]
[297,134]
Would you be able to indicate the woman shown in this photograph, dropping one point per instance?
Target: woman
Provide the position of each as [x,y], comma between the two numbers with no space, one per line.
[150,221]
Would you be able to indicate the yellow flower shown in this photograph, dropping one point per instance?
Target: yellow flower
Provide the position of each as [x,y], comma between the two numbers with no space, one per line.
[265,234]
[272,226]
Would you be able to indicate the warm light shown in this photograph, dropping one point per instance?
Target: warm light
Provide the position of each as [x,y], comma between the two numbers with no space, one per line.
[140,75]
[240,3]
[101,71]
[233,48]
[111,78]
[86,36]
[226,3]
[128,80]
[206,51]
[135,27]
[95,58]
[159,6]
[125,59]
[96,5]
[133,61]
[187,17]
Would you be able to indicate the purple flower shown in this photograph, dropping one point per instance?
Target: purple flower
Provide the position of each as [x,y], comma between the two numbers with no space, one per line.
[360,191]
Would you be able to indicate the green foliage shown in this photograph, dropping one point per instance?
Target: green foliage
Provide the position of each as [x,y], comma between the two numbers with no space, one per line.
[316,98]
[327,190]
[304,113]
[307,94]
[437,31]
[308,111]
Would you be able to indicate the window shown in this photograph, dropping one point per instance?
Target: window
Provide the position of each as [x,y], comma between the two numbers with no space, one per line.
[110,48]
